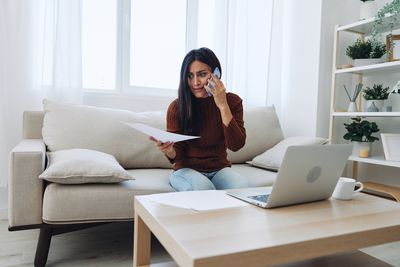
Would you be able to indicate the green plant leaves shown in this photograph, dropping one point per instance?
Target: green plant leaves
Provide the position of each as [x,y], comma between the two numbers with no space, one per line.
[392,8]
[377,92]
[361,130]
[366,49]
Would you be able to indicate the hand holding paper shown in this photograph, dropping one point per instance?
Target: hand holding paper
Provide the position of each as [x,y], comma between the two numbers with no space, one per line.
[158,134]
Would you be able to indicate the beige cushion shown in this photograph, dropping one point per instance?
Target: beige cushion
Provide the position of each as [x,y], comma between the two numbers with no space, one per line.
[272,158]
[263,132]
[78,126]
[80,166]
[101,202]
[112,202]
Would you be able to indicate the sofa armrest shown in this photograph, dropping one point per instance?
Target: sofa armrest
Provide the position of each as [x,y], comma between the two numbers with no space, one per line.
[25,188]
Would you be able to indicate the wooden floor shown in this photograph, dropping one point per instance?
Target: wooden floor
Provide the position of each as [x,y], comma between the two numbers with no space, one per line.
[108,245]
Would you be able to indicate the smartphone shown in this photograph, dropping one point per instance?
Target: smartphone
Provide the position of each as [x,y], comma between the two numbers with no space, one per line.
[217,73]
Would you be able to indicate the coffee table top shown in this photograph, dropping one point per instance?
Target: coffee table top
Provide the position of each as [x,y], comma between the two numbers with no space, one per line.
[255,236]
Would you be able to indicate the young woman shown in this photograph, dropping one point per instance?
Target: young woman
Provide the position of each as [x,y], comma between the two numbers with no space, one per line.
[202,164]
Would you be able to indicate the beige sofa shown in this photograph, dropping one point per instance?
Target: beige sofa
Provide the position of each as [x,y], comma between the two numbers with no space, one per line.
[56,208]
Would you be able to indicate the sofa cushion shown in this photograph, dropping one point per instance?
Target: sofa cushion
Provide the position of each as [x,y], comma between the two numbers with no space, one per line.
[257,177]
[263,132]
[112,202]
[79,166]
[78,126]
[272,158]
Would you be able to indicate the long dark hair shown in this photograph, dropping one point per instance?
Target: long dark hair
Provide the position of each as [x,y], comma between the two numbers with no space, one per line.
[187,102]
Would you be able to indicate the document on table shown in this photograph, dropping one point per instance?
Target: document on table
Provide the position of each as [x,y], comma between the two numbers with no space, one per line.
[158,134]
[198,200]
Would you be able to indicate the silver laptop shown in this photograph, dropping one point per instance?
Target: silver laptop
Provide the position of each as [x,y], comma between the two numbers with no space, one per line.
[307,173]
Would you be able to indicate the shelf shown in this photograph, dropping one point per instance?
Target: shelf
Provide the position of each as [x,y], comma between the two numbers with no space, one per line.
[382,190]
[366,114]
[365,26]
[386,66]
[378,160]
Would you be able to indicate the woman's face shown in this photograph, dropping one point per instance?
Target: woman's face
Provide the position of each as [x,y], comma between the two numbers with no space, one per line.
[198,76]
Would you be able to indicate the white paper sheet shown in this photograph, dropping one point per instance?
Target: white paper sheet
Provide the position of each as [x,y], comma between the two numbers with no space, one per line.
[198,200]
[158,134]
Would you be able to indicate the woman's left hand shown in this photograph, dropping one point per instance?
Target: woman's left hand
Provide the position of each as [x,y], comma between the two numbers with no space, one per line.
[219,92]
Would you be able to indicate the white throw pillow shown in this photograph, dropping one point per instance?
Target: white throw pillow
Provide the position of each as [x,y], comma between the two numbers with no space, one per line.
[79,166]
[68,126]
[272,158]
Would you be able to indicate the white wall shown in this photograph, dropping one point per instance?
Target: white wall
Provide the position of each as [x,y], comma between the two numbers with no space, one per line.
[300,66]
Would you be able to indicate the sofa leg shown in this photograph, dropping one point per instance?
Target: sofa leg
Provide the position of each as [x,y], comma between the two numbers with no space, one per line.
[43,246]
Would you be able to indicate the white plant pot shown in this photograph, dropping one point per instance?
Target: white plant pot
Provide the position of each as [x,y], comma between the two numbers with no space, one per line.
[368,61]
[368,10]
[362,149]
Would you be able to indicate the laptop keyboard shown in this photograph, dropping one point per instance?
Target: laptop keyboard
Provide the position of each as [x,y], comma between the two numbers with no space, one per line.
[261,198]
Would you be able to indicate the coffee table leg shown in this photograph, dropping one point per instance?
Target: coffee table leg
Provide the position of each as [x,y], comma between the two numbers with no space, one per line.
[141,243]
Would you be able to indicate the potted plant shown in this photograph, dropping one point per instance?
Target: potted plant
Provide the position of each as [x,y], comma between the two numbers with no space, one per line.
[366,52]
[392,9]
[368,9]
[360,133]
[375,97]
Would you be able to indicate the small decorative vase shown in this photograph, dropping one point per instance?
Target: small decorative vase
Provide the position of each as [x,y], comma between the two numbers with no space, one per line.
[372,107]
[352,107]
[368,9]
[375,105]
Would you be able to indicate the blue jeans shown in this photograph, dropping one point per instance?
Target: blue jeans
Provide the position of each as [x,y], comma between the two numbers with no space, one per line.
[187,179]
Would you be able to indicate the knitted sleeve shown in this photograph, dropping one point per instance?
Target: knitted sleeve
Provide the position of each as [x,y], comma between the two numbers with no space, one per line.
[235,133]
[173,126]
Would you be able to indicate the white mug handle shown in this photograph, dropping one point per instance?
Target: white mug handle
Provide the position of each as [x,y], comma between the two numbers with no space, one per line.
[360,185]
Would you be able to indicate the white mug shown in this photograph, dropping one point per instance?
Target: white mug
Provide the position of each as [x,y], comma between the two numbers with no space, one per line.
[344,189]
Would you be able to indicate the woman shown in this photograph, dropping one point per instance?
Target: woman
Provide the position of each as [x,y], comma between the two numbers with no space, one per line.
[202,164]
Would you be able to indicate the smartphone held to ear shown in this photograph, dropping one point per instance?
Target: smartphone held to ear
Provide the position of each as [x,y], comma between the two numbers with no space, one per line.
[216,73]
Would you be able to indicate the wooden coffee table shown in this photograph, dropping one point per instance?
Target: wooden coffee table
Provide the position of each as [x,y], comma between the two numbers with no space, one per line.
[252,236]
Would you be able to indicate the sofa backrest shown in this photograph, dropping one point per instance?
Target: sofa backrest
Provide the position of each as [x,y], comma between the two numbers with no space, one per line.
[263,131]
[77,126]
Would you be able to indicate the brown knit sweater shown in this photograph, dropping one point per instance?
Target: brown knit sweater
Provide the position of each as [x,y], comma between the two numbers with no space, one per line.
[208,153]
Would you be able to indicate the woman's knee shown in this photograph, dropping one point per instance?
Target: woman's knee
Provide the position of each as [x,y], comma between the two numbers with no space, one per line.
[228,179]
[190,180]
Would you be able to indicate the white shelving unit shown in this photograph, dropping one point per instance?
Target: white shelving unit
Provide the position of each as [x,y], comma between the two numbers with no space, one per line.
[363,28]
[376,68]
[366,114]
[377,160]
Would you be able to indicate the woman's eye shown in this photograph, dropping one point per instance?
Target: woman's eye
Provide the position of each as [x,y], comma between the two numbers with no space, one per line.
[203,74]
[190,76]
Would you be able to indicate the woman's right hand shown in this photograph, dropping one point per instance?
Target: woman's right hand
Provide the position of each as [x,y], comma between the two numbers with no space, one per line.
[167,148]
